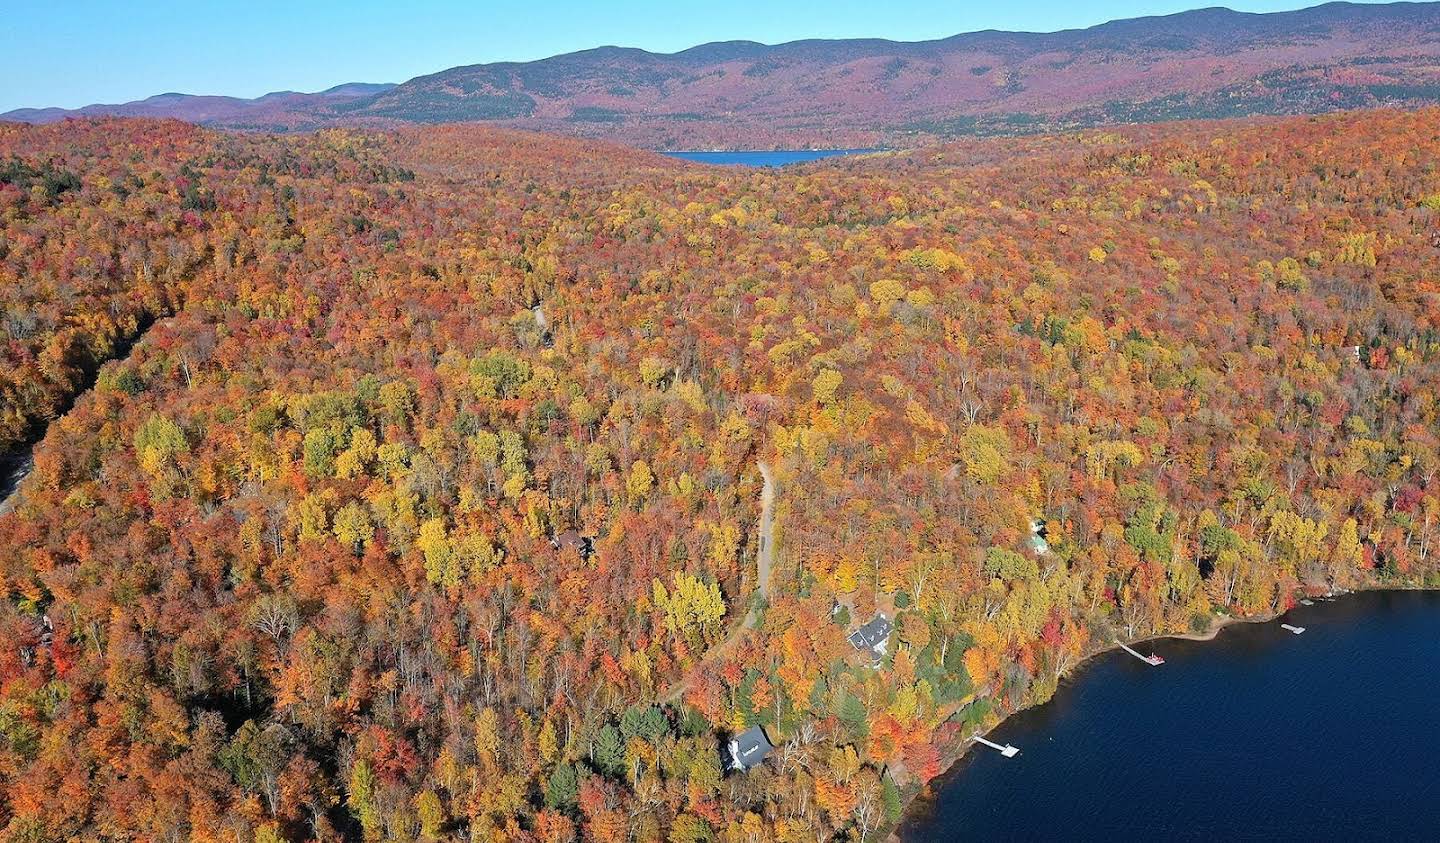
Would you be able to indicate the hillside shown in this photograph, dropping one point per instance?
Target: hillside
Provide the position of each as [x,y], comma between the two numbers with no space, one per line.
[276,110]
[287,572]
[1201,64]
[1206,63]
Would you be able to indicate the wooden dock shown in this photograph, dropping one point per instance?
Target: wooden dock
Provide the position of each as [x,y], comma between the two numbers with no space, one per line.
[1295,629]
[1007,750]
[1151,659]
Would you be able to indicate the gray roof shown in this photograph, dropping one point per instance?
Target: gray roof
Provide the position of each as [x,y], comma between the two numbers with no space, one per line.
[873,634]
[1039,532]
[749,748]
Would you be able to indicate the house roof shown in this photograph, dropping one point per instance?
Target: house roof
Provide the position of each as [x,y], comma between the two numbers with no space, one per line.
[1039,533]
[873,634]
[570,540]
[749,748]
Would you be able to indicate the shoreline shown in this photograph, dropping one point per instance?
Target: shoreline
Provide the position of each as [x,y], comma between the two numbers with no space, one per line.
[910,792]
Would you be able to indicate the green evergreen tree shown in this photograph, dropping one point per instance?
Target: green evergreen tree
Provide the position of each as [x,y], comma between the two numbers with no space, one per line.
[563,788]
[609,752]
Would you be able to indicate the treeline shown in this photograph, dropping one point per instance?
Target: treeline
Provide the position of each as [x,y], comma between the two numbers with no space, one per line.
[290,570]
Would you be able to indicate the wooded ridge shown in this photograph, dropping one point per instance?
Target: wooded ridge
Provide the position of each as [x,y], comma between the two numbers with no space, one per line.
[294,567]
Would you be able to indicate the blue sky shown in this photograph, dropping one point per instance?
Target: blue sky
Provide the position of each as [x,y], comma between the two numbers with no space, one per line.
[73,52]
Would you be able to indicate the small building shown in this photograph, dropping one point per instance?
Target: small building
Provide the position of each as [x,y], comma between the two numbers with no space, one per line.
[572,542]
[873,637]
[1038,537]
[749,748]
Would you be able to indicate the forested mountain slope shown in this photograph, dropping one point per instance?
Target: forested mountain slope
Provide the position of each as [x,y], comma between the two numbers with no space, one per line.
[1206,63]
[275,110]
[287,569]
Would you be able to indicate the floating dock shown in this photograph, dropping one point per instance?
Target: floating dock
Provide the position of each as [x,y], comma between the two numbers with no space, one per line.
[1151,659]
[1295,629]
[1007,750]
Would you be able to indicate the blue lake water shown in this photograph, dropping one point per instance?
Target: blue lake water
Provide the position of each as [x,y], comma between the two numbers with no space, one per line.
[1256,735]
[765,158]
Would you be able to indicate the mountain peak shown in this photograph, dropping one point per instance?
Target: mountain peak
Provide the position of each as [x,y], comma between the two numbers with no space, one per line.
[1206,62]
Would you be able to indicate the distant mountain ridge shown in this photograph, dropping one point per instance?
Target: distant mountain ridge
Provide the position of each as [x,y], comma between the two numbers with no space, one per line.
[278,109]
[1211,62]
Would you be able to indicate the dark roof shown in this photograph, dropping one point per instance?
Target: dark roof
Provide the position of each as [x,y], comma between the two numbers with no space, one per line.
[873,634]
[749,748]
[572,541]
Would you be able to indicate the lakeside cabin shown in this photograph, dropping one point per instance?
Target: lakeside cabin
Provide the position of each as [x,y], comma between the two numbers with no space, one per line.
[873,637]
[749,748]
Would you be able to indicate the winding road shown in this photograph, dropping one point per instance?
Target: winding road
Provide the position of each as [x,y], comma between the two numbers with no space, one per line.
[764,561]
[12,471]
[16,465]
[764,556]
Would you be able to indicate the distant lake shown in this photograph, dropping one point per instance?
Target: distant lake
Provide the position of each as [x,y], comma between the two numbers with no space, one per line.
[766,158]
[1257,735]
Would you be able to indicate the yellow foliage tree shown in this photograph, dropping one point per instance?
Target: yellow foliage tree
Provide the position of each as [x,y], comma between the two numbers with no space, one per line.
[825,385]
[692,608]
[639,482]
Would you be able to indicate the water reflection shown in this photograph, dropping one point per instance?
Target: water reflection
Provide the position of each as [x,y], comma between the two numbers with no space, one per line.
[1257,733]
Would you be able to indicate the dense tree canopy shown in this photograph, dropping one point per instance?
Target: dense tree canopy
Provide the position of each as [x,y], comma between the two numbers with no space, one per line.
[287,569]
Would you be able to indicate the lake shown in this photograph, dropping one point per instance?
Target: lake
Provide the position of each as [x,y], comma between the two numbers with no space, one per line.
[765,158]
[1258,734]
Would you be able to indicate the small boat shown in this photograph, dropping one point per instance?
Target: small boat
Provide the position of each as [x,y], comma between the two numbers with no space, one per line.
[1307,602]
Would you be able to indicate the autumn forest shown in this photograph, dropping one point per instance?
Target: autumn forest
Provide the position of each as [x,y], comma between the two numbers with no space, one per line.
[397,484]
